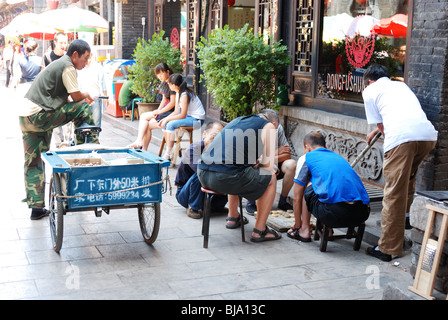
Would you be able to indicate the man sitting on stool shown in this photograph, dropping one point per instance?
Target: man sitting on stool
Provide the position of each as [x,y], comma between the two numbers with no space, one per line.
[240,162]
[286,166]
[332,190]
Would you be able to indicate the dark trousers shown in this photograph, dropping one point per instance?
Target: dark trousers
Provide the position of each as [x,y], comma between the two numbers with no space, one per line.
[336,215]
[191,195]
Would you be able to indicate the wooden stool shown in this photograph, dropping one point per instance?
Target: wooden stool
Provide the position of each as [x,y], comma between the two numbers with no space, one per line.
[130,115]
[177,151]
[206,215]
[430,254]
[133,113]
[323,231]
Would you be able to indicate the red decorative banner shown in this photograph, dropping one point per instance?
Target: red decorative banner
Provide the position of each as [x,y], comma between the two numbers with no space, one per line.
[359,49]
[174,38]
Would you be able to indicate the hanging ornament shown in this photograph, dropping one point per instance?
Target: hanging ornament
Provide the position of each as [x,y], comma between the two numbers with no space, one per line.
[230,3]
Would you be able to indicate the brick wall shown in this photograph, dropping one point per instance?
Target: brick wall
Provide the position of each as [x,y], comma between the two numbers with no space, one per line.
[132,28]
[428,78]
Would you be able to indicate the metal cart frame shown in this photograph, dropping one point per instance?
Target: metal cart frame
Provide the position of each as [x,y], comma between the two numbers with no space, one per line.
[135,181]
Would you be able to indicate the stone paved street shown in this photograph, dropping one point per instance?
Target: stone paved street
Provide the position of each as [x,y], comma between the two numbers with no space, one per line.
[106,258]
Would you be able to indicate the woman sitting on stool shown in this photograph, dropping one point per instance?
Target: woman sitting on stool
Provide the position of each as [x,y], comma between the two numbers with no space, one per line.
[188,111]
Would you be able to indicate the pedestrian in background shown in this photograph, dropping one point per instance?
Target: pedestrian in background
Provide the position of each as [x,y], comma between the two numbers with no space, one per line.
[91,80]
[8,53]
[61,135]
[30,66]
[408,138]
[16,72]
[60,43]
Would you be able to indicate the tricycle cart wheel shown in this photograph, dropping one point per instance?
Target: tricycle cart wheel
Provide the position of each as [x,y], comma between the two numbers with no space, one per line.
[56,213]
[149,218]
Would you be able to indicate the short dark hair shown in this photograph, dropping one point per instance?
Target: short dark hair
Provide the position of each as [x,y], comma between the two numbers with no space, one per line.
[315,138]
[374,72]
[79,46]
[59,34]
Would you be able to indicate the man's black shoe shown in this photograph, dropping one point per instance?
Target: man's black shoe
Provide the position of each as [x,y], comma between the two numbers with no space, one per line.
[378,254]
[251,207]
[38,213]
[408,224]
[285,206]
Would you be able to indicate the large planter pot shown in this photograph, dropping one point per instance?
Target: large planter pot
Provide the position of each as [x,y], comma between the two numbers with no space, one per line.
[147,106]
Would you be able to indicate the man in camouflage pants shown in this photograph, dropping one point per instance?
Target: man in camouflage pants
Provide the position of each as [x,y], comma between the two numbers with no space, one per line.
[44,108]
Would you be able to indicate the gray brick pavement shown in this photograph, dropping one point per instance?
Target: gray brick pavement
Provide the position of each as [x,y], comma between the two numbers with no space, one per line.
[106,258]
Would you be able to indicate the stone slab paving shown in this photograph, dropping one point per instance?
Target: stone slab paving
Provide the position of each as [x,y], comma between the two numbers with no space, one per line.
[106,258]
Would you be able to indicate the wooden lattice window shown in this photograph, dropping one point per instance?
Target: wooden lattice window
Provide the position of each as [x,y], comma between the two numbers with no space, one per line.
[157,17]
[191,30]
[264,15]
[303,36]
[216,15]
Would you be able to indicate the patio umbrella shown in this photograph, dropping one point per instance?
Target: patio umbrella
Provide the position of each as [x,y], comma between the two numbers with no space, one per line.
[24,25]
[74,20]
[395,26]
[336,27]
[361,25]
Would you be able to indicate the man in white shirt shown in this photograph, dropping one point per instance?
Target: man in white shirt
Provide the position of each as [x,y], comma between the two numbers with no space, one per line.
[408,138]
[91,80]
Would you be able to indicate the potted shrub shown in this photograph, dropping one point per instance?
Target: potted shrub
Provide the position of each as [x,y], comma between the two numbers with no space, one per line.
[240,70]
[147,55]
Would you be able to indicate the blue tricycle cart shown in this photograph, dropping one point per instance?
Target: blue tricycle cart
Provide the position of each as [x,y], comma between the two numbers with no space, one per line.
[104,179]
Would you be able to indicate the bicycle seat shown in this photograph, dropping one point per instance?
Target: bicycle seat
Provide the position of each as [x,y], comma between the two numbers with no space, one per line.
[86,128]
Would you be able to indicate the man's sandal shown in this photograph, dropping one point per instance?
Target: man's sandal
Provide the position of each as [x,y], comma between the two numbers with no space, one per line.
[236,223]
[293,233]
[264,233]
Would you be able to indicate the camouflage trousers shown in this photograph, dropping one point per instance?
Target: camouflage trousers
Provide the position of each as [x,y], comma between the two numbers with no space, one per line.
[36,132]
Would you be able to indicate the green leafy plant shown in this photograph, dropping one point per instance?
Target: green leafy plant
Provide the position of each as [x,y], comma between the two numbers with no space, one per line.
[147,55]
[240,70]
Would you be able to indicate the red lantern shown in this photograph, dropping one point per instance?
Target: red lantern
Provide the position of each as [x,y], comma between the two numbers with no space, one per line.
[230,3]
[52,4]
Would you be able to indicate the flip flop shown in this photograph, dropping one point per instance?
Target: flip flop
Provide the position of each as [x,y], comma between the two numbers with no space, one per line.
[134,146]
[263,235]
[237,222]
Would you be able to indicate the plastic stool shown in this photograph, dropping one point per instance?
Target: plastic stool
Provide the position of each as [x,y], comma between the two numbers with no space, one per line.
[133,108]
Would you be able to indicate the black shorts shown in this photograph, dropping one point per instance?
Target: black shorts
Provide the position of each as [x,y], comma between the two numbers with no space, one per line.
[336,215]
[163,115]
[250,183]
[280,174]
